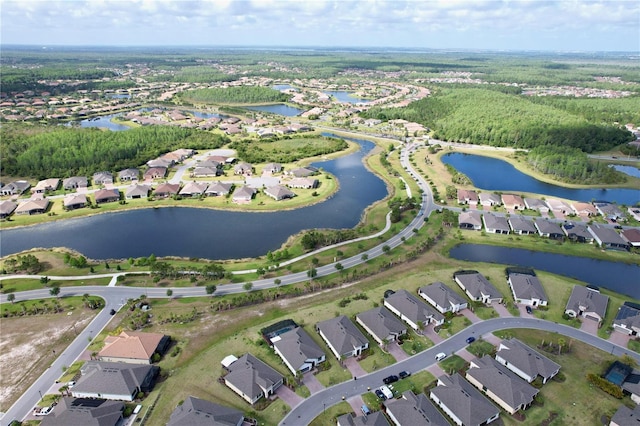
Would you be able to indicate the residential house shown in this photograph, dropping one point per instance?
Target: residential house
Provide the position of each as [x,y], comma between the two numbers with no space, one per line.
[153,173]
[279,192]
[584,209]
[302,172]
[218,189]
[193,189]
[411,310]
[631,385]
[106,196]
[199,412]
[46,185]
[489,199]
[374,419]
[342,336]
[471,219]
[500,384]
[166,190]
[467,196]
[243,168]
[548,229]
[137,191]
[243,195]
[577,232]
[6,208]
[75,182]
[272,168]
[298,350]
[520,225]
[17,187]
[631,236]
[513,202]
[626,416]
[588,303]
[495,224]
[85,412]
[608,238]
[133,347]
[252,379]
[442,298]
[114,380]
[463,403]
[559,206]
[32,206]
[414,410]
[128,175]
[102,178]
[536,204]
[381,324]
[525,362]
[609,211]
[634,212]
[160,162]
[477,287]
[74,201]
[527,289]
[205,171]
[628,319]
[303,183]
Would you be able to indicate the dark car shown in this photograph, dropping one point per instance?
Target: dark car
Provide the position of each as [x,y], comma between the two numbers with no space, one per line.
[529,310]
[404,374]
[112,312]
[390,379]
[471,339]
[380,395]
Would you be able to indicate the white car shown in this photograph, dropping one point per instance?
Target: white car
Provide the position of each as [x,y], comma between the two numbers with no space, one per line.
[43,411]
[441,356]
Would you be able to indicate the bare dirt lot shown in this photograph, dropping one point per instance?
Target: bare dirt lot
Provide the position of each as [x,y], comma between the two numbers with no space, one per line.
[27,346]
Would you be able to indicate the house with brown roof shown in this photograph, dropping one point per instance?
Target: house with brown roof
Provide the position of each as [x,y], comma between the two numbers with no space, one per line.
[166,190]
[584,209]
[467,196]
[106,196]
[559,206]
[46,185]
[513,202]
[133,347]
[137,191]
[6,208]
[471,219]
[74,201]
[193,189]
[32,206]
[631,236]
[153,173]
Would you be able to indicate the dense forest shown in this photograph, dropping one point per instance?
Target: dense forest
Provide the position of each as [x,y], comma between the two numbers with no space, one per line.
[234,95]
[286,150]
[63,152]
[499,119]
[571,165]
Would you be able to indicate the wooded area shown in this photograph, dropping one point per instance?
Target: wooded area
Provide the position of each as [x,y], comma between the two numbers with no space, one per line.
[286,150]
[234,95]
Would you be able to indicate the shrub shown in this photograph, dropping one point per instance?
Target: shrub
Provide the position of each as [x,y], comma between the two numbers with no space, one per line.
[605,385]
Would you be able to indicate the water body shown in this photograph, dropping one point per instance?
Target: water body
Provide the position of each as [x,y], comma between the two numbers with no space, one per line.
[627,170]
[280,109]
[206,233]
[619,277]
[497,175]
[201,114]
[104,122]
[343,96]
[120,96]
[282,87]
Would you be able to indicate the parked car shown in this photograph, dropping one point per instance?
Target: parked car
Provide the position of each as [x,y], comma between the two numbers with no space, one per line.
[404,374]
[390,379]
[71,384]
[112,312]
[441,356]
[529,310]
[380,395]
[470,339]
[365,410]
[43,411]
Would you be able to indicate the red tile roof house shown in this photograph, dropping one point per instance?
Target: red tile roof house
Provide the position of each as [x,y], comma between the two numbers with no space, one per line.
[513,202]
[632,236]
[155,173]
[133,347]
[466,196]
[166,190]
[584,209]
[107,196]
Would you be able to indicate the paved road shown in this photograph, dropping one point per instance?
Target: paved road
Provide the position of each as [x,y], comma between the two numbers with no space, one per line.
[314,405]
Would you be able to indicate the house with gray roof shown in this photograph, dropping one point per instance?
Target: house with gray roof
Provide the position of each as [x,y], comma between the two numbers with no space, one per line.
[631,385]
[137,191]
[628,319]
[559,206]
[200,412]
[302,172]
[32,206]
[489,199]
[381,324]
[524,361]
[15,188]
[106,195]
[548,229]
[243,195]
[588,303]
[577,232]
[193,189]
[298,350]
[279,192]
[463,403]
[75,182]
[74,201]
[85,412]
[470,219]
[252,379]
[411,310]
[520,225]
[114,380]
[513,202]
[500,384]
[6,208]
[272,168]
[626,416]
[102,178]
[374,419]
[477,287]
[442,298]
[218,189]
[527,289]
[128,175]
[303,183]
[609,211]
[536,204]
[243,168]
[607,237]
[414,410]
[495,224]
[166,190]
[205,171]
[342,336]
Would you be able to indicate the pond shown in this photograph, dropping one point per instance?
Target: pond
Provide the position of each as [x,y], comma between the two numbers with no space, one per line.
[280,109]
[102,122]
[497,175]
[592,271]
[627,170]
[282,87]
[206,233]
[343,96]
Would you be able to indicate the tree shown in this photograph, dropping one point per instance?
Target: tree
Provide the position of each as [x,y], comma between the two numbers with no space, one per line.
[261,271]
[339,266]
[247,286]
[312,273]
[55,290]
[277,281]
[44,280]
[561,343]
[386,248]
[169,293]
[11,297]
[364,257]
[210,289]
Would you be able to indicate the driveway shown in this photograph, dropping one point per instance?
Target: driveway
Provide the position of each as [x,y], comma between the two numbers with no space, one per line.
[523,311]
[352,364]
[465,354]
[430,334]
[589,326]
[356,403]
[470,315]
[620,339]
[312,383]
[398,353]
[501,310]
[492,338]
[288,396]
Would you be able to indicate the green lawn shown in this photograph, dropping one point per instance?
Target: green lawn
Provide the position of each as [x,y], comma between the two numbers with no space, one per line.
[453,363]
[330,414]
[376,359]
[415,343]
[481,348]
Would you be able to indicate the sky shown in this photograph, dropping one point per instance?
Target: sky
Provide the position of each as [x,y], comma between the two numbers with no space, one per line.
[554,25]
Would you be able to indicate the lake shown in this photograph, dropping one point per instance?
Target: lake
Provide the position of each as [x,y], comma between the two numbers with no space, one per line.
[103,122]
[282,87]
[280,109]
[497,175]
[206,233]
[617,276]
[627,170]
[343,96]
